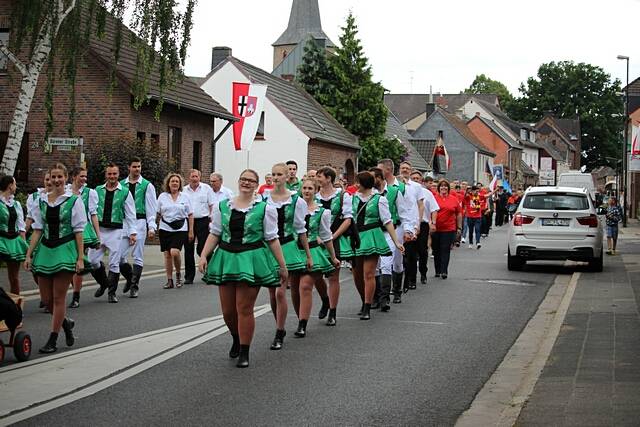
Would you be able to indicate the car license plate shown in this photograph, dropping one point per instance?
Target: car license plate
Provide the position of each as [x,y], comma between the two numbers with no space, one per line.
[555,222]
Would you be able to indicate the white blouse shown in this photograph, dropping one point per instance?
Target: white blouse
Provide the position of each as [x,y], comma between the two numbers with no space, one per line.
[20,216]
[347,202]
[324,230]
[78,214]
[383,208]
[32,203]
[300,213]
[269,223]
[93,199]
[170,210]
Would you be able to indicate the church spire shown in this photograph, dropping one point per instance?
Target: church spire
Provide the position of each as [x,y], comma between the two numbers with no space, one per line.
[304,20]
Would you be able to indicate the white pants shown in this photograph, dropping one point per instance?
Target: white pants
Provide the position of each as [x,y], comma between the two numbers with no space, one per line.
[392,263]
[110,240]
[137,250]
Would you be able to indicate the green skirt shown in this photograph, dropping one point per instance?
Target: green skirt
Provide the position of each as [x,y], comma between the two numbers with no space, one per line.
[255,267]
[321,260]
[90,237]
[295,258]
[13,250]
[343,248]
[373,242]
[49,261]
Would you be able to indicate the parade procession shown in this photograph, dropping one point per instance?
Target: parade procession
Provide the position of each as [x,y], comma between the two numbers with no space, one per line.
[351,210]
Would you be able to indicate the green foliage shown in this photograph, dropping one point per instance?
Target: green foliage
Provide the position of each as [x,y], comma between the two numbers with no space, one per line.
[315,74]
[344,85]
[155,164]
[568,90]
[484,84]
[158,24]
[376,148]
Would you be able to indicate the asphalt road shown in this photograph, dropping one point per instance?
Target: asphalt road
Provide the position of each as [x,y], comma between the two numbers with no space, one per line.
[420,364]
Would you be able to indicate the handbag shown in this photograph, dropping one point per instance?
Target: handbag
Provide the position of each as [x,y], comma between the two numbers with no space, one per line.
[175,225]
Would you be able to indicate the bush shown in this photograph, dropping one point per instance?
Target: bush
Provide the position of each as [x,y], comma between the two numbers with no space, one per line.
[155,164]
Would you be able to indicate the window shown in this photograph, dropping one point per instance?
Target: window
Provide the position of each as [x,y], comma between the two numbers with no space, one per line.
[4,39]
[197,154]
[441,134]
[260,133]
[523,134]
[22,167]
[141,136]
[155,138]
[175,146]
[556,201]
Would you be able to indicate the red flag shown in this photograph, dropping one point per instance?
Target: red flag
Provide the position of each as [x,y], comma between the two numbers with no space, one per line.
[239,105]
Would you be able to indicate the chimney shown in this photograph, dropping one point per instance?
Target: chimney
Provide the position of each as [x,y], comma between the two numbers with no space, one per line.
[288,77]
[219,54]
[431,107]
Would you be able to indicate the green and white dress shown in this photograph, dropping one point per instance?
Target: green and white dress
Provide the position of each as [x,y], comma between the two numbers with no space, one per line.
[90,200]
[13,248]
[371,214]
[291,222]
[319,232]
[341,209]
[242,254]
[59,221]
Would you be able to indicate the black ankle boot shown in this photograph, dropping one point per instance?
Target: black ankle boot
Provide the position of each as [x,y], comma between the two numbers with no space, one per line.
[324,309]
[75,300]
[67,327]
[302,329]
[331,320]
[127,273]
[135,281]
[361,310]
[50,346]
[243,357]
[366,315]
[100,275]
[235,347]
[114,278]
[278,341]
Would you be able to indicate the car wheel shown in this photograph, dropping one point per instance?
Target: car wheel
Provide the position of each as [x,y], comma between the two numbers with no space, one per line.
[597,264]
[514,263]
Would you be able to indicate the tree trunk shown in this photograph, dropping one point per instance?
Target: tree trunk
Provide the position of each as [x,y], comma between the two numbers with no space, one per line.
[30,74]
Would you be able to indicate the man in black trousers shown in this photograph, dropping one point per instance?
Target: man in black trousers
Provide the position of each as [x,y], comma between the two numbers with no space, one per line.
[202,199]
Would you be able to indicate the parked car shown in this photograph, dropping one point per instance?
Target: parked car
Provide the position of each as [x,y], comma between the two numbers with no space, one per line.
[555,223]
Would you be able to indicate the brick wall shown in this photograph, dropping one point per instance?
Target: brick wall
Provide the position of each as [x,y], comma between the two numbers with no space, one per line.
[99,117]
[323,154]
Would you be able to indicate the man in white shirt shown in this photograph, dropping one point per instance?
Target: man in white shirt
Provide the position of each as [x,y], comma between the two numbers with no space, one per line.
[220,192]
[144,198]
[202,200]
[416,197]
[427,225]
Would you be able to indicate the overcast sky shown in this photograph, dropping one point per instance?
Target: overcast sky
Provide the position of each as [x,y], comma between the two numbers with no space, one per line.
[412,44]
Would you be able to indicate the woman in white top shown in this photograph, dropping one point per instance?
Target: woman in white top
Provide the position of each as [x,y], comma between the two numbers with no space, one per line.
[13,246]
[56,251]
[176,226]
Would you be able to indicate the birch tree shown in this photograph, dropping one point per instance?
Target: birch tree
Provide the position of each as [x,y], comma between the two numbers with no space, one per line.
[55,34]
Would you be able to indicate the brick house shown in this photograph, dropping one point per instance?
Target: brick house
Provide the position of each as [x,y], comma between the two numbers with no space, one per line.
[293,125]
[469,156]
[185,130]
[563,135]
[508,150]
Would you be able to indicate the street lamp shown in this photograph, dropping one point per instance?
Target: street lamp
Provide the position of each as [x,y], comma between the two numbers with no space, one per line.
[624,145]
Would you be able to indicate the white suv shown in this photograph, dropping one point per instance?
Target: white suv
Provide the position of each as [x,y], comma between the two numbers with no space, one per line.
[555,223]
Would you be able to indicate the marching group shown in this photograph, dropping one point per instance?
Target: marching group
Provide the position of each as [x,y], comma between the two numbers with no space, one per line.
[286,235]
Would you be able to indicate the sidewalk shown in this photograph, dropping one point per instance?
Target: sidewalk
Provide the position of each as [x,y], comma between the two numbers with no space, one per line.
[153,261]
[592,377]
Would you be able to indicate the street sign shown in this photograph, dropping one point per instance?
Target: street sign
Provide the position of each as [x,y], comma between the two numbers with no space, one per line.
[68,142]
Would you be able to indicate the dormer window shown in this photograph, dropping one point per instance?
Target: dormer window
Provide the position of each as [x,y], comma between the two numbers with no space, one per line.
[523,134]
[4,39]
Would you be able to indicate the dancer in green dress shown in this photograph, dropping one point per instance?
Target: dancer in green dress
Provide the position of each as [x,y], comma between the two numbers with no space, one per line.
[91,235]
[318,224]
[242,261]
[339,203]
[371,213]
[292,211]
[13,246]
[56,251]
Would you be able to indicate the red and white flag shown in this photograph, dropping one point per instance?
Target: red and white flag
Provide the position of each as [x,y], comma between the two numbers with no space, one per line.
[247,104]
[441,161]
[635,143]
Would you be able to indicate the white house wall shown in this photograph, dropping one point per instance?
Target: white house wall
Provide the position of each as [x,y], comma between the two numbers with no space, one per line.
[530,157]
[282,139]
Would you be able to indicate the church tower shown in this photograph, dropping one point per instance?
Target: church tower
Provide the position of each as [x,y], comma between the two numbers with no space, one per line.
[304,23]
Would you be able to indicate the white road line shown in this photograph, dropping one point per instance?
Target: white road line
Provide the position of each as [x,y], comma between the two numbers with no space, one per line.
[501,399]
[417,322]
[40,387]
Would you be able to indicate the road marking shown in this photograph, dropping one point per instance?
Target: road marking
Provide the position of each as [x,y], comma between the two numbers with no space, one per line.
[501,399]
[34,388]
